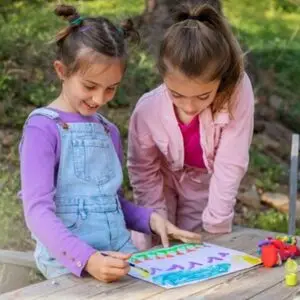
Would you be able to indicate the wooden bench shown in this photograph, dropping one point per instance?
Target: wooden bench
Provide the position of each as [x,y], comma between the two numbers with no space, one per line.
[15,267]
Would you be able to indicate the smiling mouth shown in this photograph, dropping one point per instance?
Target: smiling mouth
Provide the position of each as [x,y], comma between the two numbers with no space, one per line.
[91,106]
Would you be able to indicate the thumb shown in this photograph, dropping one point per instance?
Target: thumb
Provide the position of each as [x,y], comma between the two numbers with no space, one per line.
[119,255]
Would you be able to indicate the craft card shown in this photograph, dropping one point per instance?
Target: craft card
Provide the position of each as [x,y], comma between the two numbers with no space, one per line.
[189,263]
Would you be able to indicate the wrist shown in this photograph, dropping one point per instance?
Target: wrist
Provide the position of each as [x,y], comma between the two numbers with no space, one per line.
[91,261]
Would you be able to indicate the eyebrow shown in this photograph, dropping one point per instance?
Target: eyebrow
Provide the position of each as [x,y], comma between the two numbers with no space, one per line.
[204,94]
[95,83]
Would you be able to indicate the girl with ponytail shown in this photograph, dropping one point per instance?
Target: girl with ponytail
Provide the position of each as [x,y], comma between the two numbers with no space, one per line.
[189,138]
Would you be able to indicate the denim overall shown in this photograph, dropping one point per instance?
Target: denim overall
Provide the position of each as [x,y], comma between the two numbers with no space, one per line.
[86,199]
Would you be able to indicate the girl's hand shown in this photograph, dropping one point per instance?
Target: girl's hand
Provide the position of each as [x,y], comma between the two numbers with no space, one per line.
[108,268]
[166,230]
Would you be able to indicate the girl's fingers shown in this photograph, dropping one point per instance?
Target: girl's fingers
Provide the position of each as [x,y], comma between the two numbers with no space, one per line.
[116,272]
[164,236]
[111,262]
[186,236]
[119,255]
[109,278]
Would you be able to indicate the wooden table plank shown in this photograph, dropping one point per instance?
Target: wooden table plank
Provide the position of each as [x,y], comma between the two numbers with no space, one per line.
[89,289]
[61,286]
[279,291]
[136,291]
[43,288]
[254,284]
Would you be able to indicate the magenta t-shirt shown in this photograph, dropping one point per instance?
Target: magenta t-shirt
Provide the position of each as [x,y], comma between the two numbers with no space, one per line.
[193,153]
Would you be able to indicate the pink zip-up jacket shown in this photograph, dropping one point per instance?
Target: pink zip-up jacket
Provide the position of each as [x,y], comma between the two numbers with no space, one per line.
[154,135]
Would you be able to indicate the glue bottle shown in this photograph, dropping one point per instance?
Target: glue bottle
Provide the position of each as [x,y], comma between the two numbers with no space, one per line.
[291,269]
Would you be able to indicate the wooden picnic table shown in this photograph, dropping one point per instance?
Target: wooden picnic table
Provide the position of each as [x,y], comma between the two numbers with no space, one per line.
[256,283]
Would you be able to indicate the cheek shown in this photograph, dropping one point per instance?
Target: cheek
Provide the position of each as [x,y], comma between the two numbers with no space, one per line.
[74,90]
[206,103]
[178,102]
[175,101]
[202,104]
[109,95]
[81,93]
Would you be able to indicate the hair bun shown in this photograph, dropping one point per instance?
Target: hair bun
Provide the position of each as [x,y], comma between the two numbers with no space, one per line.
[197,10]
[128,29]
[181,16]
[68,12]
[202,13]
[127,25]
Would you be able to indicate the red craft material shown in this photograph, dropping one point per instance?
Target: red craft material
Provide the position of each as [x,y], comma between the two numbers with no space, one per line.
[275,251]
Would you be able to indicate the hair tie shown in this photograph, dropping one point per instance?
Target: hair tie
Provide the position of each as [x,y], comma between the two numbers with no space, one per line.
[194,18]
[85,28]
[121,30]
[201,18]
[77,21]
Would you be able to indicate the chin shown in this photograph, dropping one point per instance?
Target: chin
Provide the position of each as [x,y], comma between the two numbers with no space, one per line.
[191,114]
[87,112]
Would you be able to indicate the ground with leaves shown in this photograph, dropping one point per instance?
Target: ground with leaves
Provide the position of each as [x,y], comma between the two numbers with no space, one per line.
[27,81]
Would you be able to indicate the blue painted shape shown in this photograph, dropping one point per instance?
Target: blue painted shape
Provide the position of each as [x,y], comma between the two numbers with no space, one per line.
[174,267]
[223,254]
[153,270]
[182,277]
[211,259]
[194,264]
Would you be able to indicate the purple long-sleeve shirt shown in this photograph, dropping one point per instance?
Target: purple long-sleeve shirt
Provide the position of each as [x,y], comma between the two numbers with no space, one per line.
[39,155]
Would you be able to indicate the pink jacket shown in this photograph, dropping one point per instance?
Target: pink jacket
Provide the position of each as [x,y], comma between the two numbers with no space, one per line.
[225,142]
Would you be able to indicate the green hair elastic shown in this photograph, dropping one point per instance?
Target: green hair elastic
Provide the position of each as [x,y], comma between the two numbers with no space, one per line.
[77,21]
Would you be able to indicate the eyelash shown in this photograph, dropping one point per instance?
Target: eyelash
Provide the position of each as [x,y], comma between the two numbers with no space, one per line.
[176,96]
[111,88]
[203,98]
[90,88]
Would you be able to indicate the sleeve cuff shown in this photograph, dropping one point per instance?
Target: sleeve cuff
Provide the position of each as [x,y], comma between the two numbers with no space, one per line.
[217,224]
[77,263]
[219,228]
[145,222]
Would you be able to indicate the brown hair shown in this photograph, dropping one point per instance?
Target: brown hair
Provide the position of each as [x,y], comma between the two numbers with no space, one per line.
[201,44]
[97,35]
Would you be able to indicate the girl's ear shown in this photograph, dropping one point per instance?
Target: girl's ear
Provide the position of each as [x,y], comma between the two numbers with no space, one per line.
[60,69]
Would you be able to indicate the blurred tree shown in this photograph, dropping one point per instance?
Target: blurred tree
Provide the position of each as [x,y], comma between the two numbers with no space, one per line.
[287,5]
[9,6]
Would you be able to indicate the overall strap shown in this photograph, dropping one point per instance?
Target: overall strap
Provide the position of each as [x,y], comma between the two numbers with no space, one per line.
[43,111]
[105,123]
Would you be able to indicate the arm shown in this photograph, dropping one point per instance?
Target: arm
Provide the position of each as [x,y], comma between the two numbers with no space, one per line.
[38,189]
[231,163]
[144,166]
[136,217]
